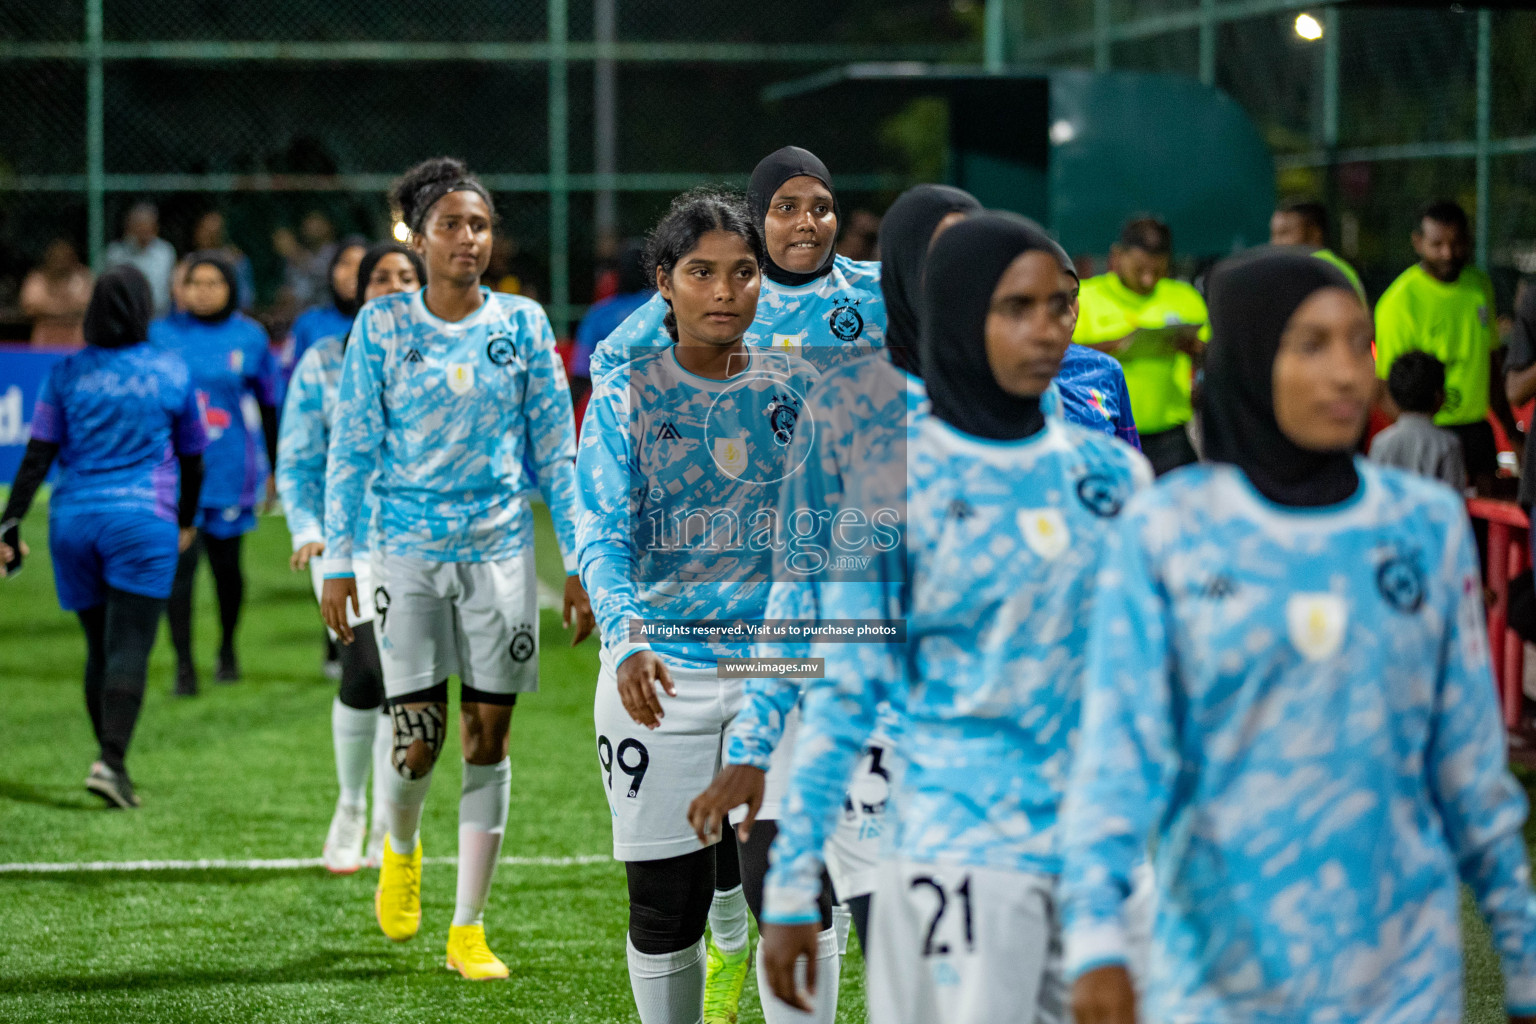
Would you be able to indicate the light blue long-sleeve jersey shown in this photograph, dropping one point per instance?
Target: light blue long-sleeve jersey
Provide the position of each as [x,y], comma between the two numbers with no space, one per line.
[680,476]
[838,312]
[309,409]
[1296,707]
[994,578]
[446,413]
[856,460]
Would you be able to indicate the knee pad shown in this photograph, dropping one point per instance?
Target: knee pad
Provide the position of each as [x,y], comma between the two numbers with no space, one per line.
[428,725]
[669,901]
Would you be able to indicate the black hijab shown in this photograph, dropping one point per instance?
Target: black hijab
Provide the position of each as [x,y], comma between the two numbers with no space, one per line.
[772,172]
[906,233]
[371,258]
[1252,297]
[220,262]
[963,269]
[121,305]
[345,307]
[632,277]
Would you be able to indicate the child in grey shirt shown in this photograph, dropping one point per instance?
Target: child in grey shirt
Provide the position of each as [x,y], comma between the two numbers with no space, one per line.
[1416,382]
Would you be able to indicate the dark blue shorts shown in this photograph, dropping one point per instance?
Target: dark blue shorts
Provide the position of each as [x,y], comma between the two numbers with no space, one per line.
[132,551]
[224,523]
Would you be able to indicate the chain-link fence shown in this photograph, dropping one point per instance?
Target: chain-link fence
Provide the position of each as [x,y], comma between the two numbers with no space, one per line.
[585,116]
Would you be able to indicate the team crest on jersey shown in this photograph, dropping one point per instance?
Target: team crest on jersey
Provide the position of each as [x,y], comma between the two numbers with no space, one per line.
[731,454]
[846,323]
[1045,531]
[783,412]
[1401,583]
[501,350]
[788,341]
[522,643]
[1316,624]
[236,361]
[1100,495]
[461,377]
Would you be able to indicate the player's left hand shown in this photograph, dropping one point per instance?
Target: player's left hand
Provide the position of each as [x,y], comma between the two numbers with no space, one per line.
[578,610]
[780,945]
[736,784]
[301,557]
[7,553]
[1104,996]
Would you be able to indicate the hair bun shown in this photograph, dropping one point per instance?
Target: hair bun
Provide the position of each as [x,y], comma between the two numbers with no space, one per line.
[411,191]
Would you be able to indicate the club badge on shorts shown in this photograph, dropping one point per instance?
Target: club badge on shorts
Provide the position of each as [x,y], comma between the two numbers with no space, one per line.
[461,377]
[731,455]
[1316,623]
[1045,531]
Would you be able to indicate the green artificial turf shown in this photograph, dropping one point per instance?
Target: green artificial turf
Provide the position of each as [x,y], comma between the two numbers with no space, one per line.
[246,772]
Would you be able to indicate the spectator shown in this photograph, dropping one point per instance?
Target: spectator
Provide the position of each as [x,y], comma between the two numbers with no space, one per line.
[308,257]
[1520,380]
[208,235]
[54,297]
[860,237]
[1156,327]
[1417,384]
[1442,306]
[1304,222]
[141,246]
[634,290]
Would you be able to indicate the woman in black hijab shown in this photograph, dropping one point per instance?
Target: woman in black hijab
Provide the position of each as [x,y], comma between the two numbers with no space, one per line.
[112,415]
[907,233]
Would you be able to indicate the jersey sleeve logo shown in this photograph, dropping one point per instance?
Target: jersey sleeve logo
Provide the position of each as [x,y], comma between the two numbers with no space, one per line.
[236,361]
[1316,624]
[783,414]
[731,455]
[846,323]
[461,377]
[1101,495]
[1452,399]
[501,350]
[1401,583]
[1045,531]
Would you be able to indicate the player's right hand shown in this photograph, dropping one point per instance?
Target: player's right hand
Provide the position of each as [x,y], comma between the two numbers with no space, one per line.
[734,785]
[301,557]
[780,945]
[1104,996]
[638,676]
[334,596]
[7,553]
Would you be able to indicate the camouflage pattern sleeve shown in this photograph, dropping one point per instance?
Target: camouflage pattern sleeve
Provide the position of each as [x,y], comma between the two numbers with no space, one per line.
[607,505]
[642,329]
[301,449]
[352,455]
[551,428]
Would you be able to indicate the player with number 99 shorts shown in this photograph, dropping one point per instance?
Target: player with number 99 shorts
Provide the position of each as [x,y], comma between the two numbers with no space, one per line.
[1006,512]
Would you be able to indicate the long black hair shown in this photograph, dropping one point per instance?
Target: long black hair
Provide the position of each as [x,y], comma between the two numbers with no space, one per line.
[693,215]
[423,185]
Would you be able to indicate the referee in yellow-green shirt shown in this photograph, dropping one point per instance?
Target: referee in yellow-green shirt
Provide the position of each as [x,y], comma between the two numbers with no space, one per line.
[1442,306]
[1156,327]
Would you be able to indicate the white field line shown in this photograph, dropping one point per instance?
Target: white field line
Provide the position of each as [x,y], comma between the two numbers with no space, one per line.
[279,864]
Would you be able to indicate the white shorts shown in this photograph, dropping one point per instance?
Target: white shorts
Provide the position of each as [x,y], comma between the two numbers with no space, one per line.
[363,571]
[476,620]
[959,945]
[853,851]
[651,776]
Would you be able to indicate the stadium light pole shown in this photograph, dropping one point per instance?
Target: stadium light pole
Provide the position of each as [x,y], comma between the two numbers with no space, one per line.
[95,137]
[1484,130]
[559,169]
[605,117]
[994,36]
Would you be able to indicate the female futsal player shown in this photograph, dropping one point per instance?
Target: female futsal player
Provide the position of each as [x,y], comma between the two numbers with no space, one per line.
[360,733]
[1289,689]
[681,453]
[112,416]
[230,360]
[444,393]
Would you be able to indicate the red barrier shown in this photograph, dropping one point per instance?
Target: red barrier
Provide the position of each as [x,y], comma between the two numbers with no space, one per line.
[1509,553]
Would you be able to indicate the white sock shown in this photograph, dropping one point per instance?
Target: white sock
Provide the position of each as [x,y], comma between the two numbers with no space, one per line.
[842,921]
[403,800]
[829,972]
[352,735]
[668,987]
[482,820]
[383,747]
[728,915]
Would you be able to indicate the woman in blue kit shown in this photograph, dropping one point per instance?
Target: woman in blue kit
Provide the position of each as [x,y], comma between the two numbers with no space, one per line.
[116,417]
[332,318]
[1288,694]
[231,362]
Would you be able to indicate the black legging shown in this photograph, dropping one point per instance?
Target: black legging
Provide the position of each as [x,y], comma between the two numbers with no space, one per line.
[228,582]
[362,677]
[118,636]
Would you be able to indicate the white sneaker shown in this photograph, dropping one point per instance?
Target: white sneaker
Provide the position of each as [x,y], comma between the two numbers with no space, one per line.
[344,842]
[374,857]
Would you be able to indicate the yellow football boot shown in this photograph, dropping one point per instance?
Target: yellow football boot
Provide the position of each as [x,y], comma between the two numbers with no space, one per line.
[470,956]
[397,902]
